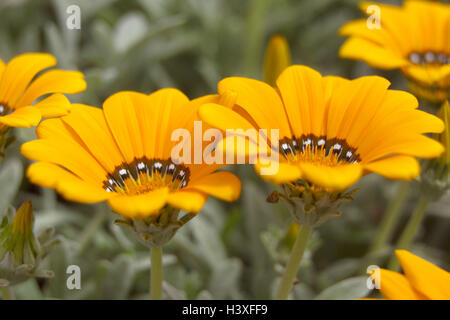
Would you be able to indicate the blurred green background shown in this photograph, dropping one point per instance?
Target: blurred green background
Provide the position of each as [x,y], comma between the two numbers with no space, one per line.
[228,251]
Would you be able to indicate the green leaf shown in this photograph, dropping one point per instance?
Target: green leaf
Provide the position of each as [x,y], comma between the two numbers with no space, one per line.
[130,30]
[349,289]
[118,279]
[28,290]
[337,271]
[11,174]
[60,259]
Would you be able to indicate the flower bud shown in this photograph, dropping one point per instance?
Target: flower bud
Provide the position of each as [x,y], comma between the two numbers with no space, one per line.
[20,251]
[277,59]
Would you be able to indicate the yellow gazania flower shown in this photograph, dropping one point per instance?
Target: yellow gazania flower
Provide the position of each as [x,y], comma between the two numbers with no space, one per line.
[122,154]
[19,88]
[331,130]
[421,280]
[413,38]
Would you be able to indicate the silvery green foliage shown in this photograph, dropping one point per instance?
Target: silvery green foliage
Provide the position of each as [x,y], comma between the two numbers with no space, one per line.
[11,171]
[349,289]
[227,251]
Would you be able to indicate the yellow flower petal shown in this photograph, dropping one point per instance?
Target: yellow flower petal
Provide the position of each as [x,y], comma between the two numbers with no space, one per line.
[301,88]
[424,276]
[345,99]
[68,185]
[90,125]
[401,120]
[121,115]
[282,172]
[222,184]
[335,178]
[260,100]
[374,55]
[421,122]
[164,106]
[191,110]
[395,286]
[187,200]
[395,26]
[331,84]
[19,72]
[58,130]
[397,99]
[432,18]
[223,118]
[59,144]
[359,28]
[240,149]
[411,144]
[53,81]
[24,117]
[2,67]
[139,206]
[69,155]
[56,105]
[395,167]
[438,76]
[353,107]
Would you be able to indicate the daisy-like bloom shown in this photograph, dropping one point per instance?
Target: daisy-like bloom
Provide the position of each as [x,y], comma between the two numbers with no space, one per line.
[413,38]
[122,154]
[331,130]
[421,280]
[20,86]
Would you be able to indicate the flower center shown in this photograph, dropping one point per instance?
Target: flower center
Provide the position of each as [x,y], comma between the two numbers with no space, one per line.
[319,150]
[144,175]
[4,109]
[429,57]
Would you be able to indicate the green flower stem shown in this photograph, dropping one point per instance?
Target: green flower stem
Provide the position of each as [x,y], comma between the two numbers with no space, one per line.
[156,273]
[255,35]
[410,230]
[391,218]
[294,262]
[7,293]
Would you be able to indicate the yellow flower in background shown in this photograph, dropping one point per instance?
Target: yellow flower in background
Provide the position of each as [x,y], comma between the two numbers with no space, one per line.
[20,86]
[331,130]
[421,280]
[413,38]
[122,154]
